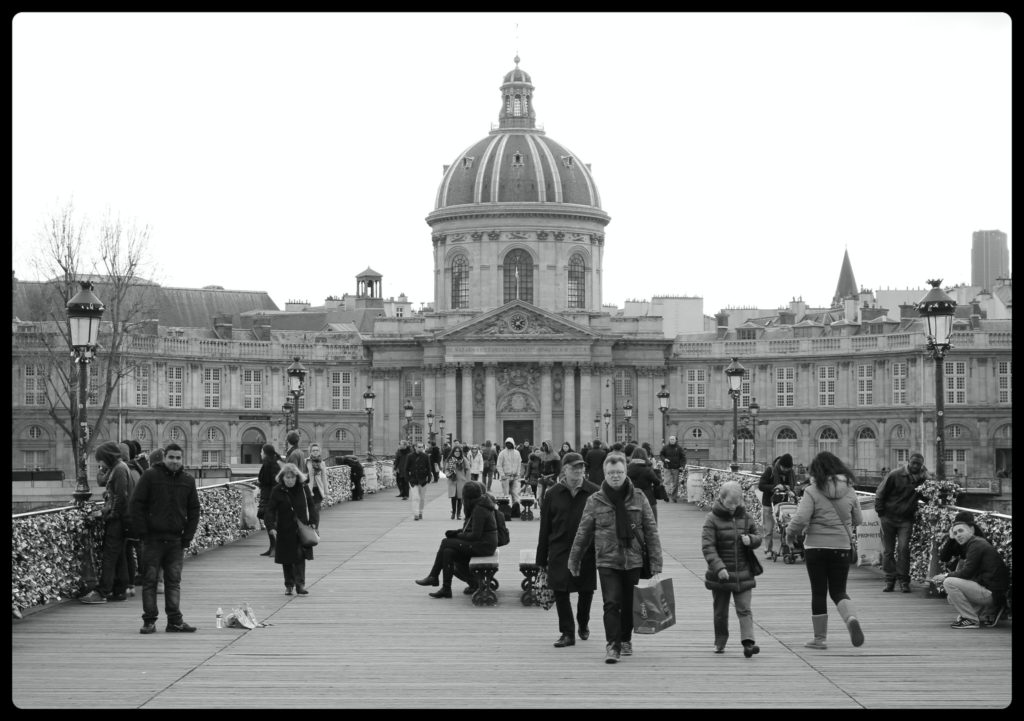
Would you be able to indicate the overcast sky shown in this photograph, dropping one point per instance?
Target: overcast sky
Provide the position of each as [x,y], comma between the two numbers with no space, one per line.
[738,154]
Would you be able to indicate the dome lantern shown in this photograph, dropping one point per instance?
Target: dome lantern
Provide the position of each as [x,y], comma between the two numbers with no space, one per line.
[517,100]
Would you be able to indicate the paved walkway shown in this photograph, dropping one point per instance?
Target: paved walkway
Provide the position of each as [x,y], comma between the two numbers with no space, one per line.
[368,637]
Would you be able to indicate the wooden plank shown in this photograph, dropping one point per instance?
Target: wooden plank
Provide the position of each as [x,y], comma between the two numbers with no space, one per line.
[368,637]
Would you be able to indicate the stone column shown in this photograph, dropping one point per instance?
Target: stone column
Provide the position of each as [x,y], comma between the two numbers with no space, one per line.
[491,430]
[545,404]
[568,406]
[450,410]
[466,415]
[586,403]
[394,405]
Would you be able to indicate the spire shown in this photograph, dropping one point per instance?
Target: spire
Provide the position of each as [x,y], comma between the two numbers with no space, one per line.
[846,286]
[517,100]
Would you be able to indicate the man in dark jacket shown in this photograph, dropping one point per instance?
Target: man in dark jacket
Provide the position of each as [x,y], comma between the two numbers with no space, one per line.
[561,511]
[401,455]
[978,586]
[165,514]
[595,463]
[418,473]
[114,581]
[356,474]
[778,477]
[673,458]
[896,504]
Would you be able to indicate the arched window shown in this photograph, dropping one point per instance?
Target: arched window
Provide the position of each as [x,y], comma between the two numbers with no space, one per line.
[518,276]
[517,106]
[252,442]
[176,434]
[697,434]
[867,452]
[341,435]
[35,432]
[577,282]
[828,440]
[213,434]
[460,282]
[785,442]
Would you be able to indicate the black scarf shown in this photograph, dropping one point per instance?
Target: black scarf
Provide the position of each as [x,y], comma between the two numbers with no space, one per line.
[618,498]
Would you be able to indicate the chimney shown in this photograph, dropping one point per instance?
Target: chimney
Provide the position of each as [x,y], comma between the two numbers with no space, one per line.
[722,323]
[850,305]
[975,321]
[799,308]
[295,306]
[261,327]
[333,301]
[222,326]
[909,310]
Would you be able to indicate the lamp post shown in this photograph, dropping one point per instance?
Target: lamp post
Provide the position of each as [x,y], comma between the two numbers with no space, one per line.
[753,410]
[84,313]
[607,422]
[663,396]
[368,403]
[286,409]
[297,385]
[937,309]
[408,420]
[430,424]
[440,424]
[597,425]
[735,375]
[627,413]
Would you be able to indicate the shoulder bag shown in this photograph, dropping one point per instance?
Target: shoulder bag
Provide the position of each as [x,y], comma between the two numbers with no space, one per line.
[308,537]
[853,544]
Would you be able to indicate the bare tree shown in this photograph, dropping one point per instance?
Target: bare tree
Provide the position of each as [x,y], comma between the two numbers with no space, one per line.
[112,261]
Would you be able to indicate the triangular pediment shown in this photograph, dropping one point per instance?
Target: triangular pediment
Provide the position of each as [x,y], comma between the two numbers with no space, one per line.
[518,319]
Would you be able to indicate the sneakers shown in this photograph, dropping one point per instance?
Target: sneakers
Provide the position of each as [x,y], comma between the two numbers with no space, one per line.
[93,597]
[611,654]
[148,627]
[964,623]
[626,648]
[428,581]
[179,628]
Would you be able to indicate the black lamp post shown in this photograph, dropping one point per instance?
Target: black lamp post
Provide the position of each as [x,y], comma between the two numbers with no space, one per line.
[627,413]
[296,385]
[663,396]
[286,410]
[735,375]
[440,424]
[84,313]
[607,422]
[408,420]
[430,424]
[753,409]
[368,403]
[937,309]
[597,425]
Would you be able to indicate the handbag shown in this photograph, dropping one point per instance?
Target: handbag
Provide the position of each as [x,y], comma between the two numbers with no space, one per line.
[308,537]
[645,571]
[852,554]
[654,605]
[660,492]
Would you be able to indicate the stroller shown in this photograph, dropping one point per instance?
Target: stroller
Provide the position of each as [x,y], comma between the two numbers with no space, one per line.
[783,509]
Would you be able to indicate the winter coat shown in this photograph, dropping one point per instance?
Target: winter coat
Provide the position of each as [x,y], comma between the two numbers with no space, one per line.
[457,470]
[673,455]
[644,478]
[165,505]
[117,493]
[722,547]
[279,517]
[560,517]
[509,461]
[597,527]
[550,464]
[983,565]
[896,496]
[417,469]
[594,460]
[401,456]
[476,462]
[816,513]
[482,527]
[772,477]
[490,456]
[533,467]
[265,481]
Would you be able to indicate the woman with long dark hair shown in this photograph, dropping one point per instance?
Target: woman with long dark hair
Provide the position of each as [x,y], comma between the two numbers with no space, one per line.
[265,481]
[829,512]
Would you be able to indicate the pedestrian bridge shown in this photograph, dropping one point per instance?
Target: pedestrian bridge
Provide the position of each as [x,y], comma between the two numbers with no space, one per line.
[368,637]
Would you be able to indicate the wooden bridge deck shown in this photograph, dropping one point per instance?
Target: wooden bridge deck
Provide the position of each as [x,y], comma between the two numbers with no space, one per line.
[368,637]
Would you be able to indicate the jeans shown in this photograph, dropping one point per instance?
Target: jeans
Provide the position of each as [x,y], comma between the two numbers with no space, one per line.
[768,527]
[168,556]
[827,568]
[488,477]
[564,607]
[417,494]
[720,603]
[896,548]
[454,553]
[114,572]
[969,598]
[617,592]
[672,486]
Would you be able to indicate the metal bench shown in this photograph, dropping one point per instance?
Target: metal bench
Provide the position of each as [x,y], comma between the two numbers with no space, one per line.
[482,570]
[529,568]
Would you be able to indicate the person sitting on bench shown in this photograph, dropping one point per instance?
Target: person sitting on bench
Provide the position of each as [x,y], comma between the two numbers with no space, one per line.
[478,537]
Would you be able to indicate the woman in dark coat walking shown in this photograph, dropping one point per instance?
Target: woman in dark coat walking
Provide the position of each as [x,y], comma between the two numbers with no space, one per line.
[289,499]
[727,534]
[560,516]
[643,477]
[265,482]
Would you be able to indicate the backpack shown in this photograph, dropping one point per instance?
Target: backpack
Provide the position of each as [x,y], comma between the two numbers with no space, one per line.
[503,536]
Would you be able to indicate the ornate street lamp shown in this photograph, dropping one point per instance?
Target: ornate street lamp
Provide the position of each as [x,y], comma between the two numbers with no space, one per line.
[663,396]
[735,375]
[607,422]
[430,424]
[408,420]
[627,413]
[440,424]
[286,409]
[368,403]
[84,313]
[297,386]
[597,425]
[753,409]
[937,308]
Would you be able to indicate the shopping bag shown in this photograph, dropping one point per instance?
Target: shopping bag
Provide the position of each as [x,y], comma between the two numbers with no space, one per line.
[250,519]
[241,617]
[543,596]
[654,605]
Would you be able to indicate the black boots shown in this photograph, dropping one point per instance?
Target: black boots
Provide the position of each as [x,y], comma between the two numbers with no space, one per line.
[273,545]
[750,648]
[443,592]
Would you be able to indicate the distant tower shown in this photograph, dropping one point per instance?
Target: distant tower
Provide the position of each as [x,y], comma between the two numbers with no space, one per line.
[990,258]
[846,286]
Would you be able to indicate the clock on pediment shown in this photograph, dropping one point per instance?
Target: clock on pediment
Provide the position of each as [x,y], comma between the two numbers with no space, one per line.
[518,322]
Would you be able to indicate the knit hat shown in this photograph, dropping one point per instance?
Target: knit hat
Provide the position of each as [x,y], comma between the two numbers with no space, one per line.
[472,491]
[785,461]
[109,453]
[571,459]
[964,517]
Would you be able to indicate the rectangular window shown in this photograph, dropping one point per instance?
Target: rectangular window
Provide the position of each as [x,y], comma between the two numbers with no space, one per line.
[175,383]
[623,384]
[745,389]
[211,387]
[34,459]
[1004,381]
[956,462]
[899,384]
[142,385]
[35,385]
[341,390]
[399,311]
[956,382]
[252,388]
[413,387]
[900,456]
[826,385]
[785,385]
[696,388]
[865,384]
[213,458]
